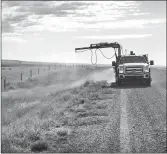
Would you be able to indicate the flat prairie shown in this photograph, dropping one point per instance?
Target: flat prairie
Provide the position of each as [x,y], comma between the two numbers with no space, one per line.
[73,110]
[37,113]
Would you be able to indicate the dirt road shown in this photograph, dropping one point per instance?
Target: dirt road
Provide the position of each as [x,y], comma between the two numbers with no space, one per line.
[136,119]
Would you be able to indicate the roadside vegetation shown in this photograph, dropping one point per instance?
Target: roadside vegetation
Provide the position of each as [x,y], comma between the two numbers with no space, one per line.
[49,118]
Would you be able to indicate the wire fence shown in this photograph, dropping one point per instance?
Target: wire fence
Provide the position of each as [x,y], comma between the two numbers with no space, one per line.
[12,75]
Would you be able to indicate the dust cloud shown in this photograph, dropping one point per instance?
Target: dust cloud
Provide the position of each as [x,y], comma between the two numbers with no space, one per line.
[37,91]
[107,75]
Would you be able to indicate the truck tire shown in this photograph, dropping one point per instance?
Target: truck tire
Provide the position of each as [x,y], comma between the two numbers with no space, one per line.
[119,82]
[148,82]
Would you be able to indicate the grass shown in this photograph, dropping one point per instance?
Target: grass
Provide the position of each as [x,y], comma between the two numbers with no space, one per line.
[13,71]
[46,78]
[44,119]
[14,74]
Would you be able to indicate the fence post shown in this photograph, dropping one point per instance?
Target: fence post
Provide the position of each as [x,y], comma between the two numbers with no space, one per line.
[21,76]
[30,73]
[38,70]
[1,84]
[4,83]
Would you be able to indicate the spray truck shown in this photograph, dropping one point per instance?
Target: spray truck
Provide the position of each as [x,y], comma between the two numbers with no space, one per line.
[128,66]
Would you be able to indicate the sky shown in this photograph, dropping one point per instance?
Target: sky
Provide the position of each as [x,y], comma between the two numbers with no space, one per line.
[50,31]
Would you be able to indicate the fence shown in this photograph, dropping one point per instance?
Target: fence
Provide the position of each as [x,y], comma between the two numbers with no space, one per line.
[3,83]
[26,74]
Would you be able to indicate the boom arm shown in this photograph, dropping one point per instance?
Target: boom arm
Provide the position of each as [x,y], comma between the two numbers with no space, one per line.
[102,45]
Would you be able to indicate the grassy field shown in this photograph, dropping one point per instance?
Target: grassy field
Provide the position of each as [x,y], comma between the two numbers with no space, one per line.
[44,112]
[17,72]
[44,78]
[13,74]
[51,111]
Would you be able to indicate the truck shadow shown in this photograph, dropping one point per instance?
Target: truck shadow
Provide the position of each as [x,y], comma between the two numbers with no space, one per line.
[128,85]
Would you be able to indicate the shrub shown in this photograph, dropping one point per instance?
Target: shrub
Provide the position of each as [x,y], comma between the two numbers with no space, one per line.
[32,136]
[103,84]
[94,96]
[74,91]
[65,121]
[81,101]
[101,106]
[39,146]
[62,132]
[21,112]
[88,106]
[89,121]
[48,124]
[80,110]
[62,140]
[45,111]
[86,83]
[66,97]
[5,146]
[82,114]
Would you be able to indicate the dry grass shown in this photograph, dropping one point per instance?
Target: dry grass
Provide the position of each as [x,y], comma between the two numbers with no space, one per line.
[45,78]
[45,119]
[14,74]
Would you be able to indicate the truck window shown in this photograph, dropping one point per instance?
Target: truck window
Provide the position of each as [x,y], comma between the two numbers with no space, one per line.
[132,59]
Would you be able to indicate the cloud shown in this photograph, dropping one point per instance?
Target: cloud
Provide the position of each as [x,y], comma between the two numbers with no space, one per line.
[129,36]
[139,14]
[6,27]
[13,39]
[21,38]
[54,24]
[58,16]
[17,15]
[128,24]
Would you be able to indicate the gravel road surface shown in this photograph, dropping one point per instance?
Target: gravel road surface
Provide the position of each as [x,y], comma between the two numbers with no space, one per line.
[136,120]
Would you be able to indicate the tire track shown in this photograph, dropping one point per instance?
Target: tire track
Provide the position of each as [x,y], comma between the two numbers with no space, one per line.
[124,128]
[162,94]
[147,120]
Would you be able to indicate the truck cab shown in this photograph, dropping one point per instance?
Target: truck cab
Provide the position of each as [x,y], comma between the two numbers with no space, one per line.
[133,67]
